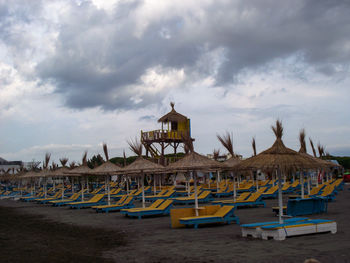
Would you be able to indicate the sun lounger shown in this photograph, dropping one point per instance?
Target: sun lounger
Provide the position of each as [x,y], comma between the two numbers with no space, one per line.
[32,198]
[255,199]
[45,200]
[225,214]
[243,196]
[246,187]
[271,192]
[203,197]
[123,203]
[311,226]
[95,200]
[162,209]
[224,191]
[75,197]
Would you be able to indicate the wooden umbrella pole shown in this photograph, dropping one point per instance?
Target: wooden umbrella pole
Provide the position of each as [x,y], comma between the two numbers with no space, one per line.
[188,178]
[209,179]
[154,185]
[143,189]
[234,188]
[82,189]
[308,185]
[280,200]
[127,184]
[195,193]
[62,188]
[108,190]
[302,183]
[45,188]
[217,180]
[106,185]
[87,184]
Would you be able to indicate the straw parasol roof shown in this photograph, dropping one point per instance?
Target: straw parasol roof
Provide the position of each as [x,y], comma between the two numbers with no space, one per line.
[278,156]
[107,168]
[30,174]
[194,161]
[142,165]
[173,115]
[303,151]
[80,170]
[62,171]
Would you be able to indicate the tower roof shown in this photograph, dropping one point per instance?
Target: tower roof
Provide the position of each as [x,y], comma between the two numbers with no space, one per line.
[173,115]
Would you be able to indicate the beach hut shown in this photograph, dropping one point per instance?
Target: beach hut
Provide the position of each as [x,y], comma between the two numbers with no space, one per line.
[280,159]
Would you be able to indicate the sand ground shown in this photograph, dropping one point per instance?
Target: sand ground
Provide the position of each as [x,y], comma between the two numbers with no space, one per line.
[115,238]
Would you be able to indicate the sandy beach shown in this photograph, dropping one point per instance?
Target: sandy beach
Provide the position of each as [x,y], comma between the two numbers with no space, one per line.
[35,233]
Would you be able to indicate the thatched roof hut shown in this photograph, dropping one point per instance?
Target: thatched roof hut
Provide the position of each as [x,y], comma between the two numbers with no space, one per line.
[173,115]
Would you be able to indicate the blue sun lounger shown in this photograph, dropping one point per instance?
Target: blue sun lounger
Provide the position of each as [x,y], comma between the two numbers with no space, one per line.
[225,214]
[123,203]
[95,200]
[204,197]
[162,209]
[255,199]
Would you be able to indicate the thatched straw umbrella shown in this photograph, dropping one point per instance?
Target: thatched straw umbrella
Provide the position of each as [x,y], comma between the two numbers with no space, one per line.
[31,175]
[141,166]
[227,141]
[279,158]
[62,172]
[193,162]
[107,169]
[82,170]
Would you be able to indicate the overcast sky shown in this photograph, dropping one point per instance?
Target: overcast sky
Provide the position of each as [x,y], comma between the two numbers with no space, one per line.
[74,74]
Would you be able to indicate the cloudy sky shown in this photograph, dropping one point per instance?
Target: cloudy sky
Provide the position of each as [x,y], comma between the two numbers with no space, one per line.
[74,74]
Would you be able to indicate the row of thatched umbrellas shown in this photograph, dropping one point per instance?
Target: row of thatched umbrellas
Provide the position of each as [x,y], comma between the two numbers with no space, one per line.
[277,159]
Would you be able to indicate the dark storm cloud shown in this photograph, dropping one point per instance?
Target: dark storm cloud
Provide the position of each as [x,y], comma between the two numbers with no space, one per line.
[98,59]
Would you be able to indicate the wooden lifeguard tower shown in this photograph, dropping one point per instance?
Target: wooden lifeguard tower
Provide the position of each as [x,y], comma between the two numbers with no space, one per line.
[174,127]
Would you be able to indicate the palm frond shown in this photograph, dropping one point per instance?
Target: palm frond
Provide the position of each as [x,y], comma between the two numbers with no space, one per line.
[84,159]
[227,141]
[313,147]
[254,146]
[135,146]
[278,129]
[105,150]
[188,142]
[302,141]
[64,161]
[47,160]
[216,154]
[72,164]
